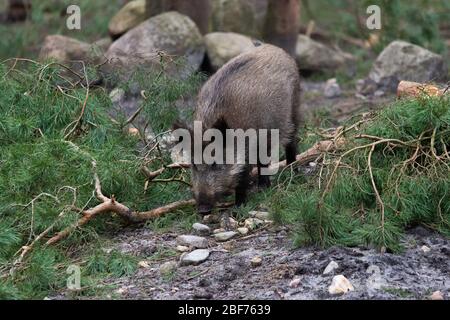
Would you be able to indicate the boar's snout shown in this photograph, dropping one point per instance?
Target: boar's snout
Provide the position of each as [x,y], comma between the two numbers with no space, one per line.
[205,208]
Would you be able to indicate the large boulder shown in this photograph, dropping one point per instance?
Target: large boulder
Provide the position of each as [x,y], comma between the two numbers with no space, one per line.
[130,16]
[66,49]
[163,37]
[315,56]
[401,60]
[240,16]
[221,47]
[198,10]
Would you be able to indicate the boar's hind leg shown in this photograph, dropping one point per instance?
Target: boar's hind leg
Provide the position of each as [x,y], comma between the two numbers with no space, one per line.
[263,180]
[242,187]
[291,152]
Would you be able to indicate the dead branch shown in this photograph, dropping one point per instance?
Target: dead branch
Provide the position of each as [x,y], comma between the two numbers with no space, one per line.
[109,205]
[306,157]
[83,108]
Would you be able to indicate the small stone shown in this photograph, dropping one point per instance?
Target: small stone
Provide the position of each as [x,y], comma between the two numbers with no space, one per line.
[229,223]
[295,283]
[437,295]
[243,231]
[195,257]
[201,228]
[379,94]
[253,223]
[133,132]
[121,291]
[211,219]
[340,285]
[220,230]
[143,264]
[425,249]
[182,249]
[256,262]
[192,241]
[332,89]
[261,215]
[331,267]
[225,236]
[360,83]
[168,267]
[117,95]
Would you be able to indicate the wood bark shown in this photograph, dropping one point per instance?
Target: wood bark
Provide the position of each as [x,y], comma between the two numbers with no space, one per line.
[282,24]
[414,89]
[18,10]
[198,10]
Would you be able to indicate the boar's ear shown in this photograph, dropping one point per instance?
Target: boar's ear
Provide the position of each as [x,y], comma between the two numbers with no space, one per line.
[178,124]
[221,125]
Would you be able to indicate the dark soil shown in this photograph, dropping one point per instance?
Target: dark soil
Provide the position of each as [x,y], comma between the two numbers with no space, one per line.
[228,274]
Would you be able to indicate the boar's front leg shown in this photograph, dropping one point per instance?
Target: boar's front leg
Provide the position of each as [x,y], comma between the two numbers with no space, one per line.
[263,180]
[242,186]
[291,152]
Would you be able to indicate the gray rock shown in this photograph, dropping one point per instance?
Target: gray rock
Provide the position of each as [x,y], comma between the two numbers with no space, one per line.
[182,249]
[340,285]
[100,46]
[253,223]
[256,262]
[211,219]
[332,89]
[425,249]
[315,56]
[168,267]
[228,223]
[225,236]
[192,241]
[201,228]
[220,230]
[64,49]
[240,16]
[261,215]
[243,231]
[379,93]
[195,257]
[140,48]
[331,267]
[130,16]
[401,60]
[221,47]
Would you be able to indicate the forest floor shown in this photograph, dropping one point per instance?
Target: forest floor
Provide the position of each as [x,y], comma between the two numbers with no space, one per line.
[228,273]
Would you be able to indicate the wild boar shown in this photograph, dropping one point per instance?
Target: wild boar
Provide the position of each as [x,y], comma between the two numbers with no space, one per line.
[257,90]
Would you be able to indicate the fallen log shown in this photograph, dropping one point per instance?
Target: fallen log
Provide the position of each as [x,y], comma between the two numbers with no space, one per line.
[415,89]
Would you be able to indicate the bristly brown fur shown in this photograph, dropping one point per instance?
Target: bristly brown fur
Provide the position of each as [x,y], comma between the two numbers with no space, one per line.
[259,89]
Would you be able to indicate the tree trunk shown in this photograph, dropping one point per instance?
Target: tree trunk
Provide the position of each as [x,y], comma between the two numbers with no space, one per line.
[18,10]
[282,24]
[198,10]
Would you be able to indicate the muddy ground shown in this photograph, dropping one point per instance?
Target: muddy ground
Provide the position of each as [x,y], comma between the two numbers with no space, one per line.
[228,273]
